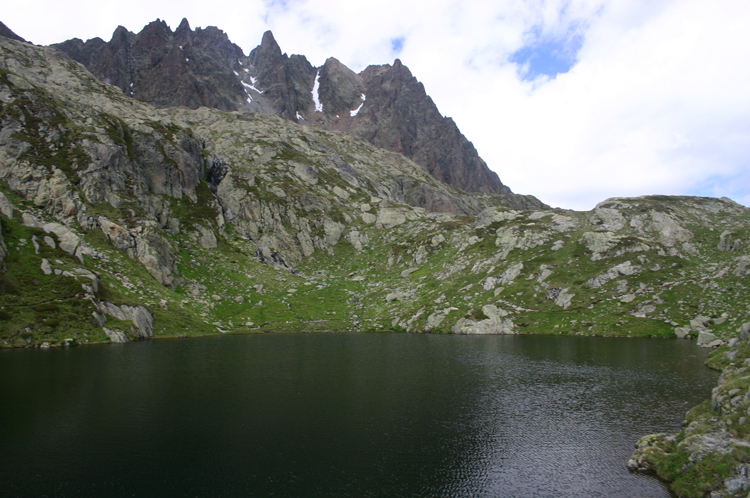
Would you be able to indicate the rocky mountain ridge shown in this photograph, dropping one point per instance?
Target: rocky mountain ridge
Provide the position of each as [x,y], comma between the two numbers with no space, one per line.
[384,105]
[121,221]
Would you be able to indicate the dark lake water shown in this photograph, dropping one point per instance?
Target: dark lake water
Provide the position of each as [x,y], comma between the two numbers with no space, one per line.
[344,415]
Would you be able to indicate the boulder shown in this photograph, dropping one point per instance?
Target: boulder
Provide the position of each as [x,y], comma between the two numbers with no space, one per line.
[369,218]
[494,325]
[119,236]
[510,274]
[358,239]
[492,311]
[408,272]
[741,266]
[705,338]
[682,332]
[700,323]
[388,218]
[3,248]
[609,219]
[729,243]
[626,268]
[493,215]
[599,242]
[564,298]
[435,319]
[306,173]
[68,241]
[6,208]
[207,239]
[333,231]
[138,315]
[117,336]
[668,228]
[46,267]
[30,220]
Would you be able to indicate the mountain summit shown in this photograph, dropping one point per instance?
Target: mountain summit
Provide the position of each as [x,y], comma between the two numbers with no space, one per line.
[384,105]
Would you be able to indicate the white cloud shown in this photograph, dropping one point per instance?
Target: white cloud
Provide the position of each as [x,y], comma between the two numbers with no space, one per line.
[657,102]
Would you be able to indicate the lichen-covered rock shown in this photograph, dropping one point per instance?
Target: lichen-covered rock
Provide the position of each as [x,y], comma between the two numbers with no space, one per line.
[146,245]
[682,332]
[727,242]
[599,242]
[510,274]
[513,237]
[117,336]
[492,325]
[648,451]
[333,231]
[389,218]
[3,248]
[207,239]
[6,207]
[139,316]
[626,268]
[611,220]
[358,239]
[705,338]
[68,241]
[564,298]
[157,255]
[493,215]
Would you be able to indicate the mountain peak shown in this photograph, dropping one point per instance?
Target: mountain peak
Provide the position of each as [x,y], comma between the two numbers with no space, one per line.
[183,33]
[8,33]
[268,45]
[384,105]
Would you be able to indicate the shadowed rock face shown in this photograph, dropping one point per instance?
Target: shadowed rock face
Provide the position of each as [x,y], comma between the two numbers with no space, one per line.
[8,33]
[203,68]
[396,113]
[185,68]
[286,81]
[400,116]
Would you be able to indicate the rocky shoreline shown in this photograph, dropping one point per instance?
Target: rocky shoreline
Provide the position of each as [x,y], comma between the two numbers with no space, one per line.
[710,457]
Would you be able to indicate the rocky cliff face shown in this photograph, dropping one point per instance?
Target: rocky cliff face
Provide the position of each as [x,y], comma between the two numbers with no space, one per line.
[203,68]
[182,68]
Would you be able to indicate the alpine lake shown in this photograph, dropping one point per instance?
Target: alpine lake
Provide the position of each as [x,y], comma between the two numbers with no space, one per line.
[342,415]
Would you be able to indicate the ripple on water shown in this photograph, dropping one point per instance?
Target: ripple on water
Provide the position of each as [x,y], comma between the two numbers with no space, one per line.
[342,415]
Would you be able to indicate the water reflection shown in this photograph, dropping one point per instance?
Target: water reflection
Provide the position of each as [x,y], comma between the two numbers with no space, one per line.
[342,415]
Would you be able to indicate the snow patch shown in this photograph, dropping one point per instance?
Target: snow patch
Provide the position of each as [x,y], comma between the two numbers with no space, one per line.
[187,60]
[247,70]
[239,62]
[363,96]
[236,73]
[355,111]
[315,95]
[250,87]
[180,47]
[299,116]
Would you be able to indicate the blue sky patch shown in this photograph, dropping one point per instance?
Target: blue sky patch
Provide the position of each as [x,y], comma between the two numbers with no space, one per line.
[548,56]
[397,44]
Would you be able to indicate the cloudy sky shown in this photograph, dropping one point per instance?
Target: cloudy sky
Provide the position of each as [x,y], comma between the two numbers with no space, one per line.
[571,101]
